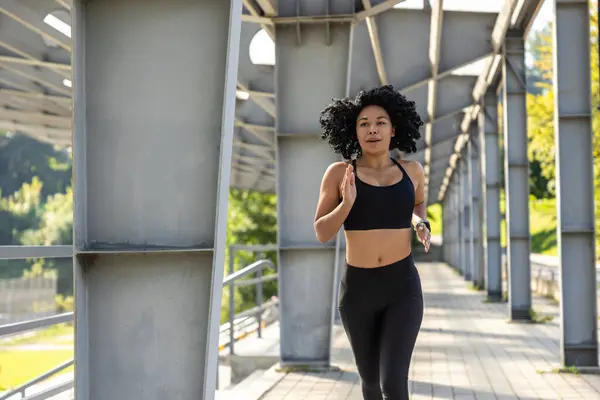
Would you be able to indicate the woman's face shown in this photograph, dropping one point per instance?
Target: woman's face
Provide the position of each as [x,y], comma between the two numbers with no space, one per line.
[374,130]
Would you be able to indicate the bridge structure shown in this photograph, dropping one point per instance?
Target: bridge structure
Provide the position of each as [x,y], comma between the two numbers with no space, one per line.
[164,110]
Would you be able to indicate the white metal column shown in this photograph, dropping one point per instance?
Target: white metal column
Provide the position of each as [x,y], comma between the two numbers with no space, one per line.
[154,102]
[517,177]
[309,72]
[574,183]
[490,188]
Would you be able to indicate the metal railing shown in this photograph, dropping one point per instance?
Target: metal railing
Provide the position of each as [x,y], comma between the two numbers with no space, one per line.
[548,267]
[248,321]
[232,281]
[545,267]
[52,391]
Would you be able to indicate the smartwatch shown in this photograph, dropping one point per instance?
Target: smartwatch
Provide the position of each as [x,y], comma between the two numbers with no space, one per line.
[424,222]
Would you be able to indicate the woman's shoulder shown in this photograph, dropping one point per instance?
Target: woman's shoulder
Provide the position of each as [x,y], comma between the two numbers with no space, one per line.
[335,172]
[338,167]
[412,166]
[414,169]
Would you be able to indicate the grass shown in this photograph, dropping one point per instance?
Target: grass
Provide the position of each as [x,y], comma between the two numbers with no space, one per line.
[539,318]
[542,225]
[19,365]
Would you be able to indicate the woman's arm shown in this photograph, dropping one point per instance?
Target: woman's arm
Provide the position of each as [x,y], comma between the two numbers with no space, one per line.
[419,212]
[331,213]
[420,208]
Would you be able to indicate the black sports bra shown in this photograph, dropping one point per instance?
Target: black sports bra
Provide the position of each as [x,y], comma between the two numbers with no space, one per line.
[381,207]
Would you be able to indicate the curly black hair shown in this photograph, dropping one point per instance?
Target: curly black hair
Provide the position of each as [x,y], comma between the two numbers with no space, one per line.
[338,120]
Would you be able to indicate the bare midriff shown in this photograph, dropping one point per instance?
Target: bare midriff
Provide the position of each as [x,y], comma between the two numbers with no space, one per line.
[377,248]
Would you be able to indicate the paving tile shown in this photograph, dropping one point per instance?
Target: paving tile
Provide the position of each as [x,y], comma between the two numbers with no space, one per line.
[466,349]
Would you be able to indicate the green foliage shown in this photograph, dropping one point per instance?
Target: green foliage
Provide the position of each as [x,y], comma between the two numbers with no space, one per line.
[434,216]
[537,81]
[539,185]
[252,221]
[542,145]
[64,303]
[55,226]
[540,118]
[55,222]
[23,158]
[37,207]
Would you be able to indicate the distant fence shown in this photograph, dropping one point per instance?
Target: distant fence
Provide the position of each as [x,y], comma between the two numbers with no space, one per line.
[26,298]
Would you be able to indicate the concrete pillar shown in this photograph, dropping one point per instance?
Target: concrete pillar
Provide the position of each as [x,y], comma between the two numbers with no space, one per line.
[517,177]
[474,148]
[490,189]
[574,183]
[151,193]
[466,217]
[311,68]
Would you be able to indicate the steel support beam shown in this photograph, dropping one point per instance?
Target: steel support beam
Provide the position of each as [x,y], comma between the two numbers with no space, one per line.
[516,14]
[456,221]
[517,177]
[446,230]
[574,183]
[466,206]
[24,252]
[469,210]
[150,236]
[473,149]
[435,40]
[307,77]
[459,218]
[375,44]
[490,190]
[451,227]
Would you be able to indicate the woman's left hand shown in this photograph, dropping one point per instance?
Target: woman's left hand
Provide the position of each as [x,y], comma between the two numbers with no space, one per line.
[424,236]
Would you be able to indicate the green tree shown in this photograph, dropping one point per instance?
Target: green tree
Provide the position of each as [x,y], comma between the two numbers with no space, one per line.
[540,130]
[252,221]
[540,110]
[18,212]
[537,83]
[55,227]
[22,158]
[34,181]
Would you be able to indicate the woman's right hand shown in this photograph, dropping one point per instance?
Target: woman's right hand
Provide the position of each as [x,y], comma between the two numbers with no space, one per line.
[348,187]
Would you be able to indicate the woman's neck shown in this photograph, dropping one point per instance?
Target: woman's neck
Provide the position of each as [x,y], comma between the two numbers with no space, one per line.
[375,162]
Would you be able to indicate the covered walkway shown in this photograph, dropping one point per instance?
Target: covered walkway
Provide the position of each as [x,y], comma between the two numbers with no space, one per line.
[165,110]
[466,350]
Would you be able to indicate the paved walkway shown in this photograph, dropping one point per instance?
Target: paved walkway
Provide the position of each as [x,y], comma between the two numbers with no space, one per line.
[465,350]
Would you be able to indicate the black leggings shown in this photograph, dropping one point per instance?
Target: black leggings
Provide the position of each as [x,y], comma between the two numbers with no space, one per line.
[382,310]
